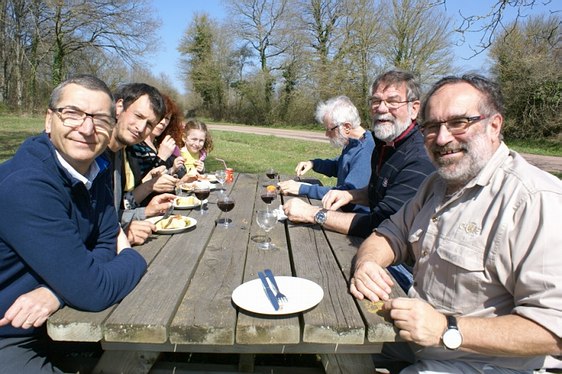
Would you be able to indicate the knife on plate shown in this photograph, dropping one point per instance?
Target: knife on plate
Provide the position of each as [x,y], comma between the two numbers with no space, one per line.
[268,292]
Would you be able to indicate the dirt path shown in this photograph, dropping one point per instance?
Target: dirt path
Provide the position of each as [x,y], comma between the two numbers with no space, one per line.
[547,163]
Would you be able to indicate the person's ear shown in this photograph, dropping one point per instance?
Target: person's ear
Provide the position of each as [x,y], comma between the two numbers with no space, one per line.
[495,125]
[415,109]
[48,121]
[118,107]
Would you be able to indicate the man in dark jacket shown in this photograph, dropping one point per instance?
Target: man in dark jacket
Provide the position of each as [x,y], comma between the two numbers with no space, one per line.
[399,165]
[61,242]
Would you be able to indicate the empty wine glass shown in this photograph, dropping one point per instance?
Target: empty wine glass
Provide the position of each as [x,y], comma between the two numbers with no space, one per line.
[266,219]
[202,192]
[221,177]
[226,204]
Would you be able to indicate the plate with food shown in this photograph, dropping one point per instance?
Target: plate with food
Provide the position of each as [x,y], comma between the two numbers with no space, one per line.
[190,186]
[173,224]
[186,202]
[208,177]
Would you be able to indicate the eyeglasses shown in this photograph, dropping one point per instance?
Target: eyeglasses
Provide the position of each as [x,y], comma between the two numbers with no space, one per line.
[375,102]
[455,126]
[73,117]
[330,129]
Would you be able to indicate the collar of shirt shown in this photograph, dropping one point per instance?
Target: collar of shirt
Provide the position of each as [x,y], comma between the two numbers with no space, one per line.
[87,179]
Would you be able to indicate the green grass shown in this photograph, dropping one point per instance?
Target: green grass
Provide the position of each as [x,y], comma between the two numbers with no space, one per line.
[538,147]
[246,153]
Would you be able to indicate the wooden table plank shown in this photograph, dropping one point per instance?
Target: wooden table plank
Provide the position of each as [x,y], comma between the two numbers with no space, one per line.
[144,315]
[336,319]
[69,324]
[262,329]
[212,319]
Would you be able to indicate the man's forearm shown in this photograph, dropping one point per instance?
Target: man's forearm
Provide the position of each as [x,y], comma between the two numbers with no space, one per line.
[143,190]
[510,335]
[360,197]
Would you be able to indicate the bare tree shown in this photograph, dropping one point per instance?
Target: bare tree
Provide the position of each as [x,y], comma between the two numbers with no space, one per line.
[418,38]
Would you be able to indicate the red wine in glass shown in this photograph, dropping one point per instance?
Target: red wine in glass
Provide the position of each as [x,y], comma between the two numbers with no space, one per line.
[225,205]
[202,194]
[271,174]
[267,198]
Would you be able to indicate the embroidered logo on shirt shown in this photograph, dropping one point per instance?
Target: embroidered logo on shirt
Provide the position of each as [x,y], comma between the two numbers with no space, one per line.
[385,182]
[471,228]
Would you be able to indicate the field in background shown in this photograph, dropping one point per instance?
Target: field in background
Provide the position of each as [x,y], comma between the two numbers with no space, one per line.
[247,153]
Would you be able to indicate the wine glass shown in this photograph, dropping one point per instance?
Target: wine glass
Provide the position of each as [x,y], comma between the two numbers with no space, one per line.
[266,219]
[271,173]
[221,177]
[268,194]
[202,192]
[226,204]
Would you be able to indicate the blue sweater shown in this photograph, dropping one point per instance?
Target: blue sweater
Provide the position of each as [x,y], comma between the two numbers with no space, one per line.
[56,233]
[397,172]
[352,168]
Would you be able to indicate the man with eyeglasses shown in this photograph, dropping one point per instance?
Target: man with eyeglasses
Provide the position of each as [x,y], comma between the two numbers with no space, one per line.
[399,165]
[139,108]
[484,232]
[60,240]
[342,123]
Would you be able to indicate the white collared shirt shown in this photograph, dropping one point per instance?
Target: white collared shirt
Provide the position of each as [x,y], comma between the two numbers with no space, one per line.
[87,179]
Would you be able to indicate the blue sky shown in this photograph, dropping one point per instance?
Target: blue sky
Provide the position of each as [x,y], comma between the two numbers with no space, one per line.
[176,15]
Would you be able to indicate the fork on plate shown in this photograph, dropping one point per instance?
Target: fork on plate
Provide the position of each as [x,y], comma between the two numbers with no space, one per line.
[282,298]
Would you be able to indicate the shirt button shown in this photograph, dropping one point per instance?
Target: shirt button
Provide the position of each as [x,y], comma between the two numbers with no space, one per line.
[434,219]
[424,253]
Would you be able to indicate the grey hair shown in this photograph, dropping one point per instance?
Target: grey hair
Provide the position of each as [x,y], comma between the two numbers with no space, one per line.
[340,110]
[396,77]
[87,81]
[493,99]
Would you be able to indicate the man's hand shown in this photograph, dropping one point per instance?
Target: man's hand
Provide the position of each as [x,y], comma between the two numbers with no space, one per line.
[289,187]
[303,167]
[297,210]
[166,147]
[154,173]
[370,280]
[164,183]
[159,204]
[31,309]
[138,231]
[335,199]
[417,321]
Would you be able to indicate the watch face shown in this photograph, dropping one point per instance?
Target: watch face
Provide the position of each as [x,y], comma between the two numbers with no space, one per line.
[452,339]
[320,217]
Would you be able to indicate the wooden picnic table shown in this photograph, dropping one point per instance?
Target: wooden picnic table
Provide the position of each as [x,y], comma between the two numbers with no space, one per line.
[183,302]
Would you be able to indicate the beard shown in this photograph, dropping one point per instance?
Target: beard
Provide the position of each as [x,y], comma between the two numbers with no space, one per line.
[338,141]
[389,131]
[477,153]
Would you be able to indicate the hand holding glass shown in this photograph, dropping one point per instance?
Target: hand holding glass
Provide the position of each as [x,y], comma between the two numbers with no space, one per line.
[266,219]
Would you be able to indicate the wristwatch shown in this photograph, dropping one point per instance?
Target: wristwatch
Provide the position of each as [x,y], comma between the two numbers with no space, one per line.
[452,337]
[321,216]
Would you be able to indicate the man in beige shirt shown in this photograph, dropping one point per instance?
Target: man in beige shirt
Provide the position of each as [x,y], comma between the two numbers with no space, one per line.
[485,236]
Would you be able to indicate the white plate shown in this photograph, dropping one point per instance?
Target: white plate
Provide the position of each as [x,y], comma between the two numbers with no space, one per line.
[190,223]
[211,178]
[189,187]
[302,294]
[186,202]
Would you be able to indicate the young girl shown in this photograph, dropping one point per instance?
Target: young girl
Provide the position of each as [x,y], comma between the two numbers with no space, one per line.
[198,144]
